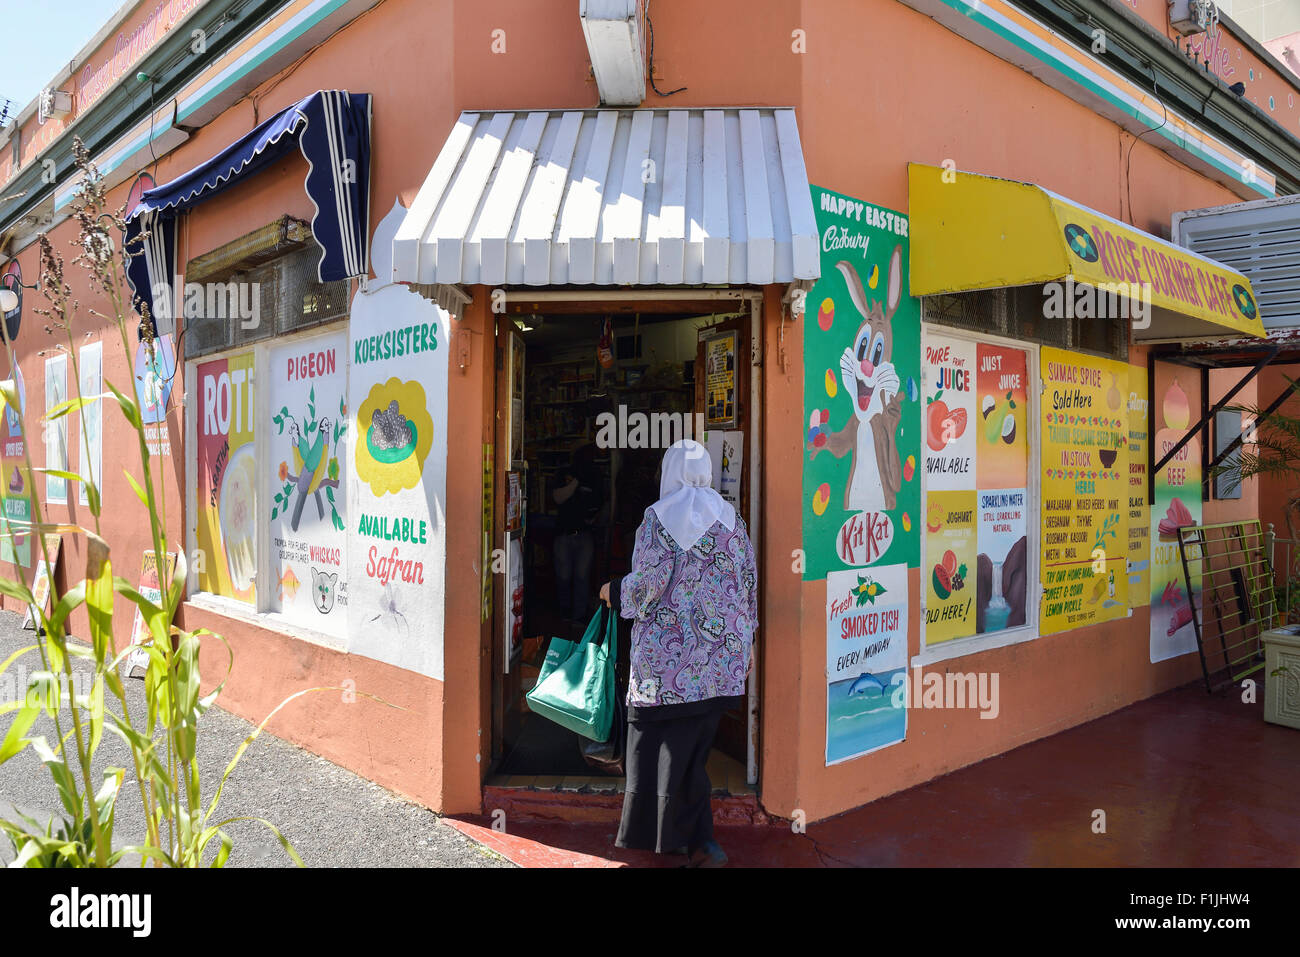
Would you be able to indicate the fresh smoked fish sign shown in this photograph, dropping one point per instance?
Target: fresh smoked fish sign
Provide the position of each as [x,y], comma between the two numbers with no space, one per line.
[866,660]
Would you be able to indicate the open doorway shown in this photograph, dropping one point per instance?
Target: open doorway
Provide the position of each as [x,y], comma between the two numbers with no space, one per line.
[571,377]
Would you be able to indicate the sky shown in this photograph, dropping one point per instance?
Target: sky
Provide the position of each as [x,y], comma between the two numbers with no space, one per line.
[39,37]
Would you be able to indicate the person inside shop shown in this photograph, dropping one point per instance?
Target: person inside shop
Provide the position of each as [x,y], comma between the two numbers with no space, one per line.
[579,501]
[692,595]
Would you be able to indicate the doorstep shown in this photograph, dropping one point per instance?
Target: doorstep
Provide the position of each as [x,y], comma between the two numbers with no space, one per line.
[599,804]
[599,798]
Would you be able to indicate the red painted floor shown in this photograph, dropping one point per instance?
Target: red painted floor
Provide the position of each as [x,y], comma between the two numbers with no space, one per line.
[1185,780]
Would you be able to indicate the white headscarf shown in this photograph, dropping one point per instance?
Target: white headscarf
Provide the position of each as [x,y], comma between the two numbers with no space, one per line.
[688,506]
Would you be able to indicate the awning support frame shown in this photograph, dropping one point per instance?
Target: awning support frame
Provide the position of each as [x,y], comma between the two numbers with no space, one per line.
[1153,467]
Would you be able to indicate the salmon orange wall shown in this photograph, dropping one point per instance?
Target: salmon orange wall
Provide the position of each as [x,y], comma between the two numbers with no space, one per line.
[878,86]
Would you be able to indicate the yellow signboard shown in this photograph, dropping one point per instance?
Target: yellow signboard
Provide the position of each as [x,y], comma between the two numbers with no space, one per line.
[981,232]
[1105,252]
[950,543]
[1085,490]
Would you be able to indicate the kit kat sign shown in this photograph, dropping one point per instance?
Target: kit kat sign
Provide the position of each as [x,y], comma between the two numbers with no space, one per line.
[864,538]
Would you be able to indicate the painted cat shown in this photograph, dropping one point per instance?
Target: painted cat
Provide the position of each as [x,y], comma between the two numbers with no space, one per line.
[322,590]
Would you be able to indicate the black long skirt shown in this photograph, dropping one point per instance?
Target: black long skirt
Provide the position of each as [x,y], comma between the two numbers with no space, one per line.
[666,800]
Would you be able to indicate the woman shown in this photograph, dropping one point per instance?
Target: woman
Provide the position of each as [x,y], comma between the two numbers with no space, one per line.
[579,501]
[692,596]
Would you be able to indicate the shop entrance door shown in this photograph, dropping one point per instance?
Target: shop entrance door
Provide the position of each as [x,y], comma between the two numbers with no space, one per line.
[722,403]
[554,380]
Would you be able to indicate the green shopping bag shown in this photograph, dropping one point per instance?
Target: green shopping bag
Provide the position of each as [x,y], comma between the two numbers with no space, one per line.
[575,686]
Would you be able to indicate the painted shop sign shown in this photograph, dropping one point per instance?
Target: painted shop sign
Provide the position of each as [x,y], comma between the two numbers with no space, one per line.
[227,474]
[397,394]
[307,513]
[861,487]
[126,49]
[16,543]
[1085,491]
[1139,540]
[866,660]
[976,502]
[1175,502]
[154,372]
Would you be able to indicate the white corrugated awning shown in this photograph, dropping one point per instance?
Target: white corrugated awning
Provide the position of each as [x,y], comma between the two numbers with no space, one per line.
[614,197]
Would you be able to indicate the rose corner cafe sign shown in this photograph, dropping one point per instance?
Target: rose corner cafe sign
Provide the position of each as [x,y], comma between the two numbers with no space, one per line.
[980,232]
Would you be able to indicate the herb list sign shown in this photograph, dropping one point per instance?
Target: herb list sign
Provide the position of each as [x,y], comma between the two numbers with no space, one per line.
[1085,491]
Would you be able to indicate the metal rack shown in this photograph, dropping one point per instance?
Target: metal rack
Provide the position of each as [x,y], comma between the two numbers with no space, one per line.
[1229,565]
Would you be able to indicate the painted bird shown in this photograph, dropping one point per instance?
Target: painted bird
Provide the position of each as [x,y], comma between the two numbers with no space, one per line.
[310,463]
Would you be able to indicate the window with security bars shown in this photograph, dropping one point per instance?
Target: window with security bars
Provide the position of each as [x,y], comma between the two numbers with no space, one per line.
[1017,312]
[271,299]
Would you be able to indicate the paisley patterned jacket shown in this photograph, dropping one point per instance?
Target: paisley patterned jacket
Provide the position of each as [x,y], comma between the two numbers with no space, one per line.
[693,613]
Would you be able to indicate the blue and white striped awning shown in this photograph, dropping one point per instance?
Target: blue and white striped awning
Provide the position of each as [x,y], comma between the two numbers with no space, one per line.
[332,129]
[614,197]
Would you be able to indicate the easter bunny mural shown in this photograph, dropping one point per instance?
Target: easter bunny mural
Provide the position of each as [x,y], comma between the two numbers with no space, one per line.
[869,379]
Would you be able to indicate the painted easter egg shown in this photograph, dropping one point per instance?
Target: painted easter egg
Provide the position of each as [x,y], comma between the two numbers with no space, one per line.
[907,522]
[826,314]
[821,498]
[831,387]
[909,468]
[874,279]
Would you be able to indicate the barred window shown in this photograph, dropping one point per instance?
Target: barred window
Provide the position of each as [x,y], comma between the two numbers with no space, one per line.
[1017,312]
[233,308]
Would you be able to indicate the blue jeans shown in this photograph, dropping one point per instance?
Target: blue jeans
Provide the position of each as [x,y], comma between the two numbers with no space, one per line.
[573,555]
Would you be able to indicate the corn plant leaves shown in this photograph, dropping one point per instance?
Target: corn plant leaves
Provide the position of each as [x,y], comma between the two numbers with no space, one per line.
[99,603]
[43,691]
[128,406]
[106,797]
[68,601]
[179,574]
[72,405]
[284,841]
[4,665]
[144,499]
[16,590]
[58,768]
[14,742]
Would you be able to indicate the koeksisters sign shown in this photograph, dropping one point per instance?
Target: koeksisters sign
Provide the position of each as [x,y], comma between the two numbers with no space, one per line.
[398,491]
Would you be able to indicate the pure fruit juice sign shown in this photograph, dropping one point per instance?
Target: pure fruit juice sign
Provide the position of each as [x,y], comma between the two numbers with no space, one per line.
[861,482]
[1084,515]
[976,470]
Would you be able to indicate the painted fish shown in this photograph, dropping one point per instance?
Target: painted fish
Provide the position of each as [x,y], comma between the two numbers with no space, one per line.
[864,681]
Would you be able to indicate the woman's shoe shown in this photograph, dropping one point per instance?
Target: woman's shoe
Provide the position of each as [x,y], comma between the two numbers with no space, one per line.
[710,855]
